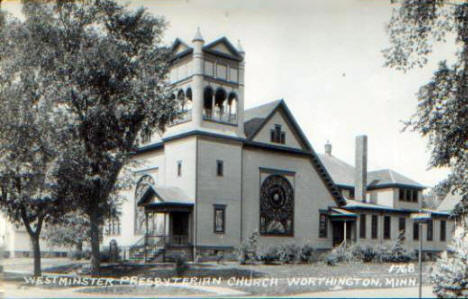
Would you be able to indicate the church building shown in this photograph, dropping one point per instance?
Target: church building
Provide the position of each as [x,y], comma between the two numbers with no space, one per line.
[220,173]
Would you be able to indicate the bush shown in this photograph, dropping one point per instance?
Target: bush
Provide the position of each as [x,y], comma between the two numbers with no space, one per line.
[248,251]
[181,265]
[308,254]
[289,253]
[450,272]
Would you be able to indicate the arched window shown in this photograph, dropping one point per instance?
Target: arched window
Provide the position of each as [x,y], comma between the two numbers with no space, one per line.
[143,184]
[232,104]
[276,206]
[188,97]
[220,103]
[208,102]
[181,100]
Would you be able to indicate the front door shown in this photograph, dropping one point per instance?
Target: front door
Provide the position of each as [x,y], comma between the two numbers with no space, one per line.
[180,228]
[339,232]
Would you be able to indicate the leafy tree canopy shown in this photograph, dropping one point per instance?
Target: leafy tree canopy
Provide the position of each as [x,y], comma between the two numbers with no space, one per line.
[442,113]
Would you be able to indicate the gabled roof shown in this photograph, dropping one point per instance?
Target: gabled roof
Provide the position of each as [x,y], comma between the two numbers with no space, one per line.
[256,118]
[232,51]
[343,175]
[341,172]
[210,48]
[168,195]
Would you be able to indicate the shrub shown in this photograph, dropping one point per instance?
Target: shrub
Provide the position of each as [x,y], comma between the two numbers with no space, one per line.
[450,272]
[248,251]
[289,253]
[308,254]
[180,266]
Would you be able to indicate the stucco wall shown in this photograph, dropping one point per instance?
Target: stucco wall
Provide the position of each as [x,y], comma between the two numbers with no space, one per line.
[278,118]
[311,195]
[220,190]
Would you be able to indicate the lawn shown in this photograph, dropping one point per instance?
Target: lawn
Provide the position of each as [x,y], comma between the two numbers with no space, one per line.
[255,280]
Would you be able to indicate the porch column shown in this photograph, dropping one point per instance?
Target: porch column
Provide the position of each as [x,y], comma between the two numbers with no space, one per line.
[345,232]
[146,234]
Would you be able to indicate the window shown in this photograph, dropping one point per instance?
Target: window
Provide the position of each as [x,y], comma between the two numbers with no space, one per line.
[415,231]
[209,68]
[443,230]
[323,225]
[233,74]
[221,71]
[415,195]
[219,218]
[362,226]
[219,168]
[276,206]
[375,226]
[387,227]
[351,193]
[277,136]
[179,168]
[402,227]
[430,230]
[410,195]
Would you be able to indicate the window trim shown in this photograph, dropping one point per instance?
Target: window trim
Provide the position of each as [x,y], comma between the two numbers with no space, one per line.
[402,230]
[362,226]
[323,231]
[219,168]
[374,227]
[387,227]
[430,228]
[222,208]
[443,230]
[416,231]
[179,168]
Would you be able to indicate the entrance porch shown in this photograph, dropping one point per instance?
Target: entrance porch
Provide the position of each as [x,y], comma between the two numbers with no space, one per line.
[343,226]
[168,225]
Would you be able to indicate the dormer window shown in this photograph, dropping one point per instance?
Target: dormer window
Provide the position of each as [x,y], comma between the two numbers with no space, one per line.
[277,136]
[409,195]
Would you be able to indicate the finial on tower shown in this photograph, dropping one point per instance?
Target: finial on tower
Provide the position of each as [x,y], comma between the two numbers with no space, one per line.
[198,36]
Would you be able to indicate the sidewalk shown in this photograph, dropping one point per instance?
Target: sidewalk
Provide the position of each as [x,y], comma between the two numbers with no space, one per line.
[372,293]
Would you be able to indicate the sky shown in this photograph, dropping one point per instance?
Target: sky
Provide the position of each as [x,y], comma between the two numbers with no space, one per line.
[324,59]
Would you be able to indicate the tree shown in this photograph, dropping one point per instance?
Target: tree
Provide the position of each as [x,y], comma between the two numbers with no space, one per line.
[449,274]
[442,113]
[71,231]
[29,128]
[107,69]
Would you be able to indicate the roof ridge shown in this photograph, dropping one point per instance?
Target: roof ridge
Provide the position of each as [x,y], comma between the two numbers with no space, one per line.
[264,104]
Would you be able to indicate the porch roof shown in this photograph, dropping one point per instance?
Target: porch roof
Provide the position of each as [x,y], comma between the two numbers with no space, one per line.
[341,214]
[165,197]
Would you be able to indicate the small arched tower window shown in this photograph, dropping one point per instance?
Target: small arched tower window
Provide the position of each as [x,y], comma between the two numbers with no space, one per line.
[181,100]
[188,99]
[232,106]
[220,103]
[208,102]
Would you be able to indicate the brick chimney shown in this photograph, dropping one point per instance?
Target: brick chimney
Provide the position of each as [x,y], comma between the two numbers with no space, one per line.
[328,148]
[360,175]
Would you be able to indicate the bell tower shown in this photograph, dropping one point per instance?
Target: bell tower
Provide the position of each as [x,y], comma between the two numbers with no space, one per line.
[208,85]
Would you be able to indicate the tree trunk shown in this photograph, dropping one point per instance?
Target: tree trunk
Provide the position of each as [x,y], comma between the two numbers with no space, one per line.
[94,235]
[36,254]
[79,250]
